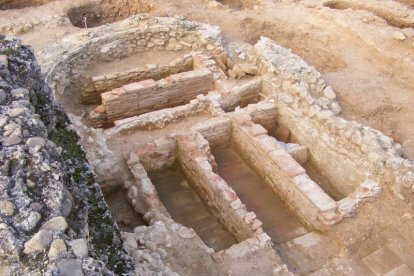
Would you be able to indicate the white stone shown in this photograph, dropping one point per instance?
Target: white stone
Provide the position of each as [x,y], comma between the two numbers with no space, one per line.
[186,233]
[35,141]
[55,224]
[15,112]
[329,93]
[38,242]
[57,247]
[348,206]
[398,36]
[6,208]
[80,248]
[130,242]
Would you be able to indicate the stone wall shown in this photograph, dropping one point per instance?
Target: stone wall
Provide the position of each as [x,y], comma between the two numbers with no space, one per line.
[283,174]
[103,83]
[149,95]
[241,95]
[345,152]
[141,192]
[195,157]
[65,63]
[160,118]
[263,113]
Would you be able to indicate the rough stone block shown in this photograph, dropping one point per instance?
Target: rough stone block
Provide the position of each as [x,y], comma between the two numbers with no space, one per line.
[286,163]
[257,130]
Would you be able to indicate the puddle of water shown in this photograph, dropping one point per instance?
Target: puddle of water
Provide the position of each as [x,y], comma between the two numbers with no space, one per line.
[187,208]
[278,221]
[122,212]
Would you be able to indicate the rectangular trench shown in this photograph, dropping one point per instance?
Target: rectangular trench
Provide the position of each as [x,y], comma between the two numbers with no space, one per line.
[278,221]
[188,208]
[283,134]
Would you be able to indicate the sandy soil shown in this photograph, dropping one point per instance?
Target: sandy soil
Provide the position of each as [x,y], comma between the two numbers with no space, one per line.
[372,89]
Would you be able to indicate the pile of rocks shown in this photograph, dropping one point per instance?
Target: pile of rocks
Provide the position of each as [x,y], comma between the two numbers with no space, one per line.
[52,215]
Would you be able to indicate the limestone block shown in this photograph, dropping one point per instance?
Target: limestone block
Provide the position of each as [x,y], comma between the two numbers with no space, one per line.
[286,163]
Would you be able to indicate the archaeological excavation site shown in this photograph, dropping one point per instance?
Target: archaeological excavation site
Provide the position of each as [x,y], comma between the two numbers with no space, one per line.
[203,137]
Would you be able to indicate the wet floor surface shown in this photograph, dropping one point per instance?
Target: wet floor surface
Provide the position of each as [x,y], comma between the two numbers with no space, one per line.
[122,212]
[187,208]
[278,221]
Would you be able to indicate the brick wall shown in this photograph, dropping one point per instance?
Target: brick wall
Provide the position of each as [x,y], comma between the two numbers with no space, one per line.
[194,155]
[149,95]
[283,174]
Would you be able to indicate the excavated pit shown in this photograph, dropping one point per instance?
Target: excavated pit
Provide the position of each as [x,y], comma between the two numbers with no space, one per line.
[186,207]
[278,221]
[21,4]
[107,11]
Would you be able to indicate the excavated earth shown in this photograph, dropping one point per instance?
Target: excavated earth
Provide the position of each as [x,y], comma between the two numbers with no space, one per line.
[233,137]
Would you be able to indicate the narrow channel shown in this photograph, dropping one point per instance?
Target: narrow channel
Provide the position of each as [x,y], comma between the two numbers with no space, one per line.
[188,208]
[278,221]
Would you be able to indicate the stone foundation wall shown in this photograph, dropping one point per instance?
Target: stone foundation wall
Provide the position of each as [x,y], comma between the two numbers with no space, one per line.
[141,192]
[283,174]
[263,113]
[216,130]
[160,118]
[345,152]
[149,95]
[195,157]
[65,63]
[99,84]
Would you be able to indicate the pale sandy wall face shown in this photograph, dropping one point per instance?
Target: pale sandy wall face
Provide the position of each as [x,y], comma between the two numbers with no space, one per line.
[283,174]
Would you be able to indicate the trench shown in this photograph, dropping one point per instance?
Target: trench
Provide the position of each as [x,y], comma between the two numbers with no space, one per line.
[278,221]
[21,4]
[109,11]
[392,20]
[283,135]
[188,208]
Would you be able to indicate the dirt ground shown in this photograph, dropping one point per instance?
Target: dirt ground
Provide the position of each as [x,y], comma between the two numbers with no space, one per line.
[373,87]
